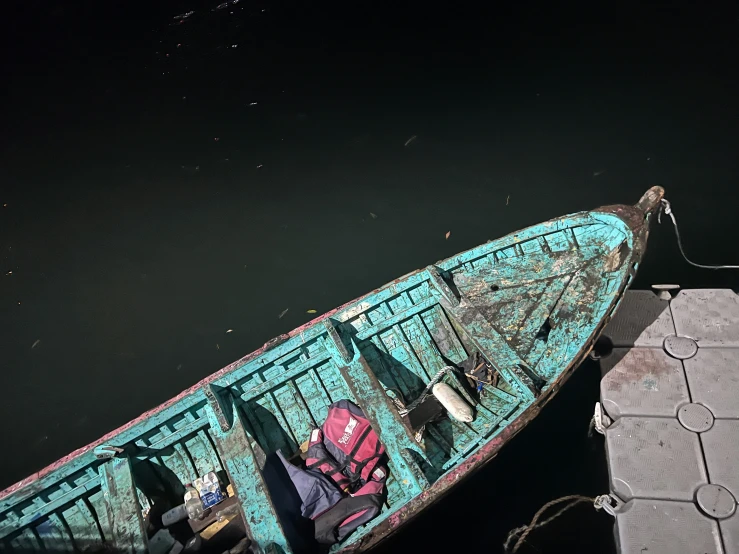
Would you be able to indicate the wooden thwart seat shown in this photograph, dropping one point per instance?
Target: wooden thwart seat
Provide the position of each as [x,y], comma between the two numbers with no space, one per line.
[378,408]
[484,336]
[244,461]
[122,506]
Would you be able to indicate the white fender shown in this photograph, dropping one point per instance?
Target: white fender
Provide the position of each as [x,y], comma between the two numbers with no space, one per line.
[454,404]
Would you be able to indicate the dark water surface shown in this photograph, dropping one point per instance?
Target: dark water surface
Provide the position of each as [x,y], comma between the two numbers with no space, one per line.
[162,184]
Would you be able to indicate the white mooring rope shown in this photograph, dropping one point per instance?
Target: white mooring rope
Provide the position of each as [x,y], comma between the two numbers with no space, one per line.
[667,210]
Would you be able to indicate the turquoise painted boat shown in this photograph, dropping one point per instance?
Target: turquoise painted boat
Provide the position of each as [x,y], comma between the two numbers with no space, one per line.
[529,306]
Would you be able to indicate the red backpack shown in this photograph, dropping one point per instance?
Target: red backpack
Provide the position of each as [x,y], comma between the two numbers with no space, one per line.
[343,486]
[346,449]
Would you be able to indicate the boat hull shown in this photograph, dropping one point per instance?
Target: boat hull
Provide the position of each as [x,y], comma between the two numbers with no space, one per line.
[530,305]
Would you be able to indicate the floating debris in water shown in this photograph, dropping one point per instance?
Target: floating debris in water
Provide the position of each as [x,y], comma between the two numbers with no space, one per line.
[35,343]
[230,331]
[260,166]
[507,199]
[410,140]
[448,234]
[374,216]
[179,367]
[222,6]
[218,346]
[599,172]
[216,139]
[282,313]
[9,273]
[234,46]
[184,15]
[310,311]
[252,103]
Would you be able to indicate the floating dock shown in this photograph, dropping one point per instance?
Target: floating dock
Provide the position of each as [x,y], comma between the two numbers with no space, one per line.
[669,398]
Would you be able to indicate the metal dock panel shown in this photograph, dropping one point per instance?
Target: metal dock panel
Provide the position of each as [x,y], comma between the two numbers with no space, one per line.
[710,316]
[666,526]
[711,384]
[654,458]
[643,381]
[642,319]
[730,532]
[670,391]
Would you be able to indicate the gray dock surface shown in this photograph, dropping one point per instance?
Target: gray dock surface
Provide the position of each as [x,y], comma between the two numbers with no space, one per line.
[670,390]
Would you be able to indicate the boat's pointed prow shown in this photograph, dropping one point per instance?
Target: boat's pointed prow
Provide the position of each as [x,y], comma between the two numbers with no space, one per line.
[651,199]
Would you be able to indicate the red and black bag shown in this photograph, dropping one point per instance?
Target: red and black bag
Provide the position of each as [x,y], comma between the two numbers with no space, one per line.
[346,450]
[352,511]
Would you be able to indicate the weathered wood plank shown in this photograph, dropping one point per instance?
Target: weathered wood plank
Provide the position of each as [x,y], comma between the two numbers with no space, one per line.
[47,508]
[237,451]
[387,423]
[127,531]
[396,318]
[485,337]
[277,381]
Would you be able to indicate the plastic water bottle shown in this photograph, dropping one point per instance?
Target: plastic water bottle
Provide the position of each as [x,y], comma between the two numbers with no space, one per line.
[193,504]
[174,515]
[209,489]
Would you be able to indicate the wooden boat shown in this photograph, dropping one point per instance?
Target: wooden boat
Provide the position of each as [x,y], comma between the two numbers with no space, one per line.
[530,304]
